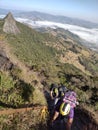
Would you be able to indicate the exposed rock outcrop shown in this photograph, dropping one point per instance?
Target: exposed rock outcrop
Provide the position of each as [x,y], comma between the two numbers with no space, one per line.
[10,25]
[5,64]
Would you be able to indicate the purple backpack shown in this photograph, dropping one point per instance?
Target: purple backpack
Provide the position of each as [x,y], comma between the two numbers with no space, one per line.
[70,97]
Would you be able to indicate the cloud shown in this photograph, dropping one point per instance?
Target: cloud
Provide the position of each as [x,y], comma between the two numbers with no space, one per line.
[90,35]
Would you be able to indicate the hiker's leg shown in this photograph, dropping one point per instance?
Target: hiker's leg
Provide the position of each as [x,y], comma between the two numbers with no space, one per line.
[69,124]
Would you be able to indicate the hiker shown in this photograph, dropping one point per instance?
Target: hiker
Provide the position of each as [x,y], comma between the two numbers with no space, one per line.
[57,92]
[64,111]
[54,93]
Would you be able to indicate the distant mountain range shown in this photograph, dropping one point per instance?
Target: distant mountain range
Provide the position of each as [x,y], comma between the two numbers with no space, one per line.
[56,18]
[86,30]
[38,16]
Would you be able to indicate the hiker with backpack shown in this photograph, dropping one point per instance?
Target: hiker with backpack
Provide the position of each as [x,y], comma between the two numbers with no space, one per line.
[53,91]
[57,92]
[64,111]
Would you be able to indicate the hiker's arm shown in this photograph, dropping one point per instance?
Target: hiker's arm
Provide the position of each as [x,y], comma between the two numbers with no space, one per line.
[51,93]
[56,114]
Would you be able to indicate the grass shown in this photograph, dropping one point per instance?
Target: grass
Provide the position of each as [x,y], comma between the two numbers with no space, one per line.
[36,51]
[1,26]
[39,99]
[29,46]
[14,93]
[30,120]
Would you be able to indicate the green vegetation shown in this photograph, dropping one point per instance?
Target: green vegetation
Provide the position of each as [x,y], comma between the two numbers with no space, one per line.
[38,53]
[1,26]
[91,64]
[36,50]
[85,86]
[29,47]
[14,93]
[29,120]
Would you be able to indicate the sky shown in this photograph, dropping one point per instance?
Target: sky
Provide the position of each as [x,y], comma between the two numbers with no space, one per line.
[82,9]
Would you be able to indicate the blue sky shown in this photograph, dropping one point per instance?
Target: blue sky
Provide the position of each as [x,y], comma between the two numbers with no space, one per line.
[85,9]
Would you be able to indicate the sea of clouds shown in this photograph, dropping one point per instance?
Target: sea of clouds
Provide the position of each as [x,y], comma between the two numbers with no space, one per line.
[90,35]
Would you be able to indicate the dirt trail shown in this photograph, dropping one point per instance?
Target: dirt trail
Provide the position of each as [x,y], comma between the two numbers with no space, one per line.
[12,111]
[19,110]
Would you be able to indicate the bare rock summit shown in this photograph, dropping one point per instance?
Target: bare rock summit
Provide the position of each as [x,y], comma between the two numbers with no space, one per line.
[10,25]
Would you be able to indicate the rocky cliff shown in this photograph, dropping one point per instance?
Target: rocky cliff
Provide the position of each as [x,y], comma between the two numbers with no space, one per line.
[10,25]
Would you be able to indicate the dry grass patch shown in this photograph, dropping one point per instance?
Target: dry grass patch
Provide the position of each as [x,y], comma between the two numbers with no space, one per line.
[38,97]
[72,58]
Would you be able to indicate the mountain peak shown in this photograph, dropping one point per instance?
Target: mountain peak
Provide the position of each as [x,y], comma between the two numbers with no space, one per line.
[9,16]
[10,24]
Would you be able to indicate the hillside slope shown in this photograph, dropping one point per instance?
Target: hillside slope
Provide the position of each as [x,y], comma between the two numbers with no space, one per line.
[30,61]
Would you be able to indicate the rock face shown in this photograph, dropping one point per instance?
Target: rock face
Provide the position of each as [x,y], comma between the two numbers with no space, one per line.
[10,25]
[5,63]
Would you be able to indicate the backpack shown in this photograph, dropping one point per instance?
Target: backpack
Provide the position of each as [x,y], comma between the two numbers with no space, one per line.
[62,89]
[54,90]
[71,98]
[64,108]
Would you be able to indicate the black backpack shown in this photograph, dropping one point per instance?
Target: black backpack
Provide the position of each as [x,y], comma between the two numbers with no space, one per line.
[62,90]
[54,90]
